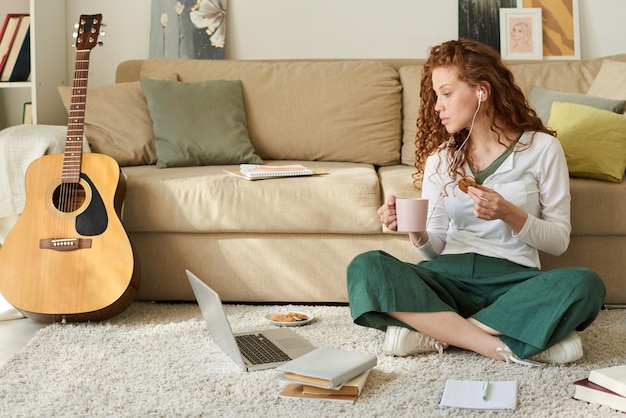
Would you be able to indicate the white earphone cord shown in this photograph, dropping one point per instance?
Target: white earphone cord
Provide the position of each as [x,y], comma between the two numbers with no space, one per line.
[456,154]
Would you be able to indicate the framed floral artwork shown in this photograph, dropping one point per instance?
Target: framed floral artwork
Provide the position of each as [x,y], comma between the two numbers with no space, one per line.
[560,26]
[188,29]
[520,33]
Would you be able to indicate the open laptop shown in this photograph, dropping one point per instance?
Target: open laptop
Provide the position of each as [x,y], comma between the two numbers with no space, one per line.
[256,350]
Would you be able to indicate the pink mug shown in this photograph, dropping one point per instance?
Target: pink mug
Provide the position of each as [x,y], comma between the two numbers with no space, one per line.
[411,213]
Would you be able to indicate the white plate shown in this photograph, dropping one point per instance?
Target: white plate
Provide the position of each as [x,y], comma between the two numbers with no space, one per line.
[290,324]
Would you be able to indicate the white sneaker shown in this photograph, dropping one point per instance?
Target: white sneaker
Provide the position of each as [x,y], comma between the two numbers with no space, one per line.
[511,357]
[568,350]
[400,341]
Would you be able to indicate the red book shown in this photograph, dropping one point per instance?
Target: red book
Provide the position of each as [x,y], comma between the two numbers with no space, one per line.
[590,392]
[7,35]
[17,64]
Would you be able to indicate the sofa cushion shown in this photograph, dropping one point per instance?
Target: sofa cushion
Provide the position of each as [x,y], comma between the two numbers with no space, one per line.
[595,207]
[117,122]
[610,81]
[542,99]
[594,140]
[326,111]
[207,200]
[199,123]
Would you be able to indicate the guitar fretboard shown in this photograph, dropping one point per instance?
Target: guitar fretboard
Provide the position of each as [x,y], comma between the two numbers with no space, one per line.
[76,120]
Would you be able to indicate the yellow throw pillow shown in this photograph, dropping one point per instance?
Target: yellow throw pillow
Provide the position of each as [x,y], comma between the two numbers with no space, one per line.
[594,140]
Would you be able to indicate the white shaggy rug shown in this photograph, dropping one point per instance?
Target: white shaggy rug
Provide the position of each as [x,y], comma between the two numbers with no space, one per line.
[157,360]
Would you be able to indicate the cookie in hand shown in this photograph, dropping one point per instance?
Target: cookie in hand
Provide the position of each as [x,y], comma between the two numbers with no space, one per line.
[466,182]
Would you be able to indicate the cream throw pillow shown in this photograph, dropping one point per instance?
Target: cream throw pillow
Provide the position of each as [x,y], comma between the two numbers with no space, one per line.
[610,82]
[117,122]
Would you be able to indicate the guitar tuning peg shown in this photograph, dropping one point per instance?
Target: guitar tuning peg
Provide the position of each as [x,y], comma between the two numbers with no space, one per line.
[100,43]
[75,35]
[76,25]
[103,33]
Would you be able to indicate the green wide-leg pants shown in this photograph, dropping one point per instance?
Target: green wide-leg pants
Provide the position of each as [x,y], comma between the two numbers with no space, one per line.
[533,309]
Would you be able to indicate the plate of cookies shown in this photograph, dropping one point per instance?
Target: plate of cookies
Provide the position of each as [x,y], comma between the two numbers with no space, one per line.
[290,318]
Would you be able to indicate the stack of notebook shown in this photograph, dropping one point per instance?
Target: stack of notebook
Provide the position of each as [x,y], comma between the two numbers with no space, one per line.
[604,386]
[326,373]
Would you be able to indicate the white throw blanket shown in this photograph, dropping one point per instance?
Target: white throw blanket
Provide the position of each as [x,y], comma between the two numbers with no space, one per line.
[19,146]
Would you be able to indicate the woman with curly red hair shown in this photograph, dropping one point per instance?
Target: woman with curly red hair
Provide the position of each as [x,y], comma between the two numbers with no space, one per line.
[480,286]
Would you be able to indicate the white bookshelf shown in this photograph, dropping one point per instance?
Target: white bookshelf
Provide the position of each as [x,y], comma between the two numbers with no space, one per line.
[49,36]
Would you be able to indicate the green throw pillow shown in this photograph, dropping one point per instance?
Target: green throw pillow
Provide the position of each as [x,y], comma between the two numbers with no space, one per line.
[201,123]
[541,99]
[594,140]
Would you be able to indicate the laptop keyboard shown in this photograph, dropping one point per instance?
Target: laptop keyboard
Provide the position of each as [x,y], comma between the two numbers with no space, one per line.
[260,350]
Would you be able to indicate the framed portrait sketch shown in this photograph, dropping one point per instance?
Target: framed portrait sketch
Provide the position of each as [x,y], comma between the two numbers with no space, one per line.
[560,25]
[520,34]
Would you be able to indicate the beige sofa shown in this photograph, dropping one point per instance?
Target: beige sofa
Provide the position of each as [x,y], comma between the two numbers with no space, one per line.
[290,240]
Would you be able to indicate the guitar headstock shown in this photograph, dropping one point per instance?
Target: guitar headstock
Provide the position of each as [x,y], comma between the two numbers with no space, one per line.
[87,31]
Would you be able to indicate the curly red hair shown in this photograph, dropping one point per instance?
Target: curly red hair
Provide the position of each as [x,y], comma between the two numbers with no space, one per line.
[477,64]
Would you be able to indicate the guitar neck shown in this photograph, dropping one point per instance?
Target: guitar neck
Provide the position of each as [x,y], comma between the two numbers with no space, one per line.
[76,120]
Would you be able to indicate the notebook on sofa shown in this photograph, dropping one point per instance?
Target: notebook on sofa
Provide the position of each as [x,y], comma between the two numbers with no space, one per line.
[256,350]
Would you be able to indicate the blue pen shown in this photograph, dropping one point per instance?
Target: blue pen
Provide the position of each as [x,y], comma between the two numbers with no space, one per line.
[485,390]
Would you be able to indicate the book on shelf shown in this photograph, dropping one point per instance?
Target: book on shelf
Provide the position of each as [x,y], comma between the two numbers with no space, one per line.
[479,395]
[326,367]
[611,378]
[260,171]
[7,36]
[17,63]
[348,392]
[588,391]
[27,114]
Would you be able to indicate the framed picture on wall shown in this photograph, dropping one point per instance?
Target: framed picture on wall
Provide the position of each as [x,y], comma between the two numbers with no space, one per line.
[478,20]
[188,29]
[560,26]
[520,34]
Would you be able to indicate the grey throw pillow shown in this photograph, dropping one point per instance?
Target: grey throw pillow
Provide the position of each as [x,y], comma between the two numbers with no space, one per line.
[202,123]
[541,99]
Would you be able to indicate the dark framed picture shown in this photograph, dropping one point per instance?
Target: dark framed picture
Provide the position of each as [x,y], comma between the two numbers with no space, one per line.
[479,20]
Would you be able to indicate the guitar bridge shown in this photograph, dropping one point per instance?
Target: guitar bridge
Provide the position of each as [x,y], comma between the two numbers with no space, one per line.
[64,244]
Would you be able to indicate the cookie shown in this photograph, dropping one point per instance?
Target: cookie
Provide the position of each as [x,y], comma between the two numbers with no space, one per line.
[298,316]
[289,317]
[283,318]
[466,182]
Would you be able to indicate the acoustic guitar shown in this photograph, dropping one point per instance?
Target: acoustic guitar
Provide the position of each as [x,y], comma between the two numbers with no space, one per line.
[68,257]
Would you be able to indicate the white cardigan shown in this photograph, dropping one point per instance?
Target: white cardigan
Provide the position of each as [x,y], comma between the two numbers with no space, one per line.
[535,178]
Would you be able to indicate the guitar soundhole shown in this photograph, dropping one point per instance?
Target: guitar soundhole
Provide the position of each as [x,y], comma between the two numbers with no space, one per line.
[69,197]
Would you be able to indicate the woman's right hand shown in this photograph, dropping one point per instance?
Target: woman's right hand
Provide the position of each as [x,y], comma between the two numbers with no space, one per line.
[387,213]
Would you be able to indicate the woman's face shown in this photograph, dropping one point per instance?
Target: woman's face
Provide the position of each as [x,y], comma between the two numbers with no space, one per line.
[456,100]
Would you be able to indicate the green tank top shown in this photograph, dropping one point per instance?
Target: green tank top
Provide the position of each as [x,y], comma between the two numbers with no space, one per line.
[481,176]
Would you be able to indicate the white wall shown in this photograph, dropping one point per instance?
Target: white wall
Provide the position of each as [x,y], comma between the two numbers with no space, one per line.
[275,29]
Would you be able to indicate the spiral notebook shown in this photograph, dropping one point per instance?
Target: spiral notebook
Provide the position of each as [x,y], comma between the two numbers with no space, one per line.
[259,172]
